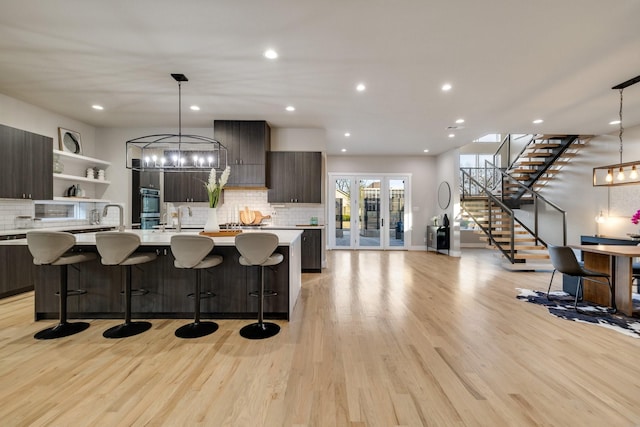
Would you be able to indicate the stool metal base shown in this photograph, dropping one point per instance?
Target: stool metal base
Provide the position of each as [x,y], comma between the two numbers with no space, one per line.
[127,330]
[258,331]
[196,330]
[63,329]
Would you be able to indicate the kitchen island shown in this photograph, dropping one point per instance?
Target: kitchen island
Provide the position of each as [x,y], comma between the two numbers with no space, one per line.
[167,287]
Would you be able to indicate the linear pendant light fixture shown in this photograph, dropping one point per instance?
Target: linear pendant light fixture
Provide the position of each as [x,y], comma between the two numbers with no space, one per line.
[612,175]
[176,152]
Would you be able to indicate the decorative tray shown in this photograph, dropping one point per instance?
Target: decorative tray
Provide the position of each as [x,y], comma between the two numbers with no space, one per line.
[221,233]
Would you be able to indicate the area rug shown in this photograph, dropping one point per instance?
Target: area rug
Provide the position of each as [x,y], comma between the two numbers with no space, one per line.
[561,306]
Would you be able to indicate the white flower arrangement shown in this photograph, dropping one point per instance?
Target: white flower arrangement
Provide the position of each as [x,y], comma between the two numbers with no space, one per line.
[214,186]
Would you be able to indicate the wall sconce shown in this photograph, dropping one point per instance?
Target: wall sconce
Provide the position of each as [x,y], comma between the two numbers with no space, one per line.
[604,175]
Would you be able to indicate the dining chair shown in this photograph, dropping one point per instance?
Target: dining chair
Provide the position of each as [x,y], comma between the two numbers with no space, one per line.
[564,261]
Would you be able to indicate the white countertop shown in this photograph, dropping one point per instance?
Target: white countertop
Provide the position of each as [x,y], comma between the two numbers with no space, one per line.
[257,227]
[60,228]
[163,238]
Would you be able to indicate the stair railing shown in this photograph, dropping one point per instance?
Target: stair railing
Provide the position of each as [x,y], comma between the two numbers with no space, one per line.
[492,170]
[472,187]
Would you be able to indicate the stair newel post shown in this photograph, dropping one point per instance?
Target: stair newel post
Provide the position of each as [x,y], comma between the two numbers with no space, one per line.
[564,228]
[513,240]
[535,217]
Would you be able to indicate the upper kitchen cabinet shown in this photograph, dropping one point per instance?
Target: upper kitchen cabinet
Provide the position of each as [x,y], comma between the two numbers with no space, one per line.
[185,187]
[26,161]
[247,143]
[295,177]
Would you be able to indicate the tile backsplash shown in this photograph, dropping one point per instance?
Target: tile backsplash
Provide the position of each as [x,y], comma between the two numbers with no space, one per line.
[10,208]
[235,201]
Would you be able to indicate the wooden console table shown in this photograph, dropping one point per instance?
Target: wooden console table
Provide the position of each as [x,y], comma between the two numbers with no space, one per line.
[616,260]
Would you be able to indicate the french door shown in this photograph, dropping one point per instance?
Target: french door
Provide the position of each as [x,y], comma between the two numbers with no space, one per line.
[369,211]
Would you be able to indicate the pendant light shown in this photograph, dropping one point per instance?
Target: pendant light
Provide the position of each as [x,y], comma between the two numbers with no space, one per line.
[603,175]
[176,152]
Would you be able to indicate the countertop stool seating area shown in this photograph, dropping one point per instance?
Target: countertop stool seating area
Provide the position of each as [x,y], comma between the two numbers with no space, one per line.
[257,249]
[52,248]
[119,249]
[564,260]
[192,251]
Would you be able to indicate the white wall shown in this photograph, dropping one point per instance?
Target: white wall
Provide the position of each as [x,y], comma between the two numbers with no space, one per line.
[20,115]
[448,170]
[574,192]
[298,139]
[423,183]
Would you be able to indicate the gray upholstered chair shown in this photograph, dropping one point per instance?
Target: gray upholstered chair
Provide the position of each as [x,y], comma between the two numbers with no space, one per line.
[564,260]
[52,248]
[119,249]
[257,249]
[192,251]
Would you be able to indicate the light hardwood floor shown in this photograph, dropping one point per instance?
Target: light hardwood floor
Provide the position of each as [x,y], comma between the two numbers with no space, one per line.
[377,339]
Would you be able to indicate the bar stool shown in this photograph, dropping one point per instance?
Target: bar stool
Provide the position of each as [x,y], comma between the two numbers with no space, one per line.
[118,248]
[192,251]
[50,248]
[257,249]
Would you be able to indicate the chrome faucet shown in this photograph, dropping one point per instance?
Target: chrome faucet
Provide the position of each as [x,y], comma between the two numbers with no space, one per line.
[163,221]
[179,227]
[121,213]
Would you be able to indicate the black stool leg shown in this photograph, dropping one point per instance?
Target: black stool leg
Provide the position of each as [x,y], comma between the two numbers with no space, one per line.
[128,328]
[196,329]
[63,328]
[262,329]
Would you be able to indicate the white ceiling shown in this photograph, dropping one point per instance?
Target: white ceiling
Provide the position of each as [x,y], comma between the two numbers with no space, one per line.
[509,61]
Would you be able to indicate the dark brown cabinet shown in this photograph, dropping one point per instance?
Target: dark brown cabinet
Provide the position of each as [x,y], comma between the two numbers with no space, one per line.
[16,270]
[247,143]
[185,187]
[295,177]
[144,179]
[311,250]
[26,161]
[168,288]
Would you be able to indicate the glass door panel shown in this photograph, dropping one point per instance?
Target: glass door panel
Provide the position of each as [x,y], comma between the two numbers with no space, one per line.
[395,216]
[369,213]
[343,212]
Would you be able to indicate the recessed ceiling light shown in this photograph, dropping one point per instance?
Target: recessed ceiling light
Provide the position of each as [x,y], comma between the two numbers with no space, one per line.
[97,107]
[459,121]
[538,121]
[347,134]
[343,150]
[446,87]
[452,135]
[271,54]
[361,87]
[290,108]
[426,151]
[614,122]
[195,108]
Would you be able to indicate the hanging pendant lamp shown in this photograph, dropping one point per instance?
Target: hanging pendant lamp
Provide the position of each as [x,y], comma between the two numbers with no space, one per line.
[612,175]
[176,152]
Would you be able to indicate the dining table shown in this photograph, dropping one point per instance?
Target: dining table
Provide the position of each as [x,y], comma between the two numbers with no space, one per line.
[617,261]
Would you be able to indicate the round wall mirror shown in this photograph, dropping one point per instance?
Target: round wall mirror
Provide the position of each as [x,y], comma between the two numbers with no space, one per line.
[444,195]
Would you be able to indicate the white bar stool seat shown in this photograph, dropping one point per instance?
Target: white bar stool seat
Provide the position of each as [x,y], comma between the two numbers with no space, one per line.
[192,251]
[51,248]
[258,249]
[118,248]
